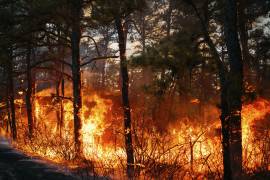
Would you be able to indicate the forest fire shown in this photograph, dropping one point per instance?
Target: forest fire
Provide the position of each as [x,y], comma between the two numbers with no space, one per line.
[58,132]
[135,89]
[199,145]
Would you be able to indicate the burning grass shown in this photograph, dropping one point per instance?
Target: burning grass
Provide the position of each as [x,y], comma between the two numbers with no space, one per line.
[185,150]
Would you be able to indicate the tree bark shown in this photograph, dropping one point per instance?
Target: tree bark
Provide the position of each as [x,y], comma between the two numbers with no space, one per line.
[76,10]
[59,100]
[9,118]
[28,96]
[11,96]
[125,97]
[235,87]
[62,114]
[242,25]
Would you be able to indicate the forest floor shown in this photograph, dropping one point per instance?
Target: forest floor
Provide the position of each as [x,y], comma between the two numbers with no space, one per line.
[17,166]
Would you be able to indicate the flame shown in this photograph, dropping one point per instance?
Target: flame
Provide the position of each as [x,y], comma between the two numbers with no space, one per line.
[195,101]
[192,144]
[50,143]
[254,145]
[252,113]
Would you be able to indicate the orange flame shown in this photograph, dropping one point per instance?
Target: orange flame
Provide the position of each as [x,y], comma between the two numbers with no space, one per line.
[199,143]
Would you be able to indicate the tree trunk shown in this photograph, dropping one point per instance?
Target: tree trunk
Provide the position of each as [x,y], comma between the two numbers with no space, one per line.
[60,94]
[231,90]
[60,112]
[222,72]
[76,74]
[28,96]
[33,93]
[235,87]
[225,130]
[59,100]
[11,96]
[60,89]
[125,98]
[9,118]
[242,24]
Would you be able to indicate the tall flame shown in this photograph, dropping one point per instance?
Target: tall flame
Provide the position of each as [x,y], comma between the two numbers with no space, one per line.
[199,144]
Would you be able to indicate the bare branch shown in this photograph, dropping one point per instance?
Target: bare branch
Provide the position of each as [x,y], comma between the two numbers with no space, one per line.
[96,46]
[98,58]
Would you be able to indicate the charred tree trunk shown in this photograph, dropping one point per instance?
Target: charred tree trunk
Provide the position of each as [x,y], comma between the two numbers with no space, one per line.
[76,11]
[125,97]
[33,93]
[225,125]
[9,118]
[60,94]
[235,87]
[28,96]
[225,130]
[62,114]
[7,105]
[59,101]
[222,72]
[60,89]
[11,96]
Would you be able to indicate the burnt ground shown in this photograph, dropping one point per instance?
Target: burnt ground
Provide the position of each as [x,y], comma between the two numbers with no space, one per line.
[17,166]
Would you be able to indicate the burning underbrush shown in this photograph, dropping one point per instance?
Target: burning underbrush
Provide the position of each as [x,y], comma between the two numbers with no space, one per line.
[185,149]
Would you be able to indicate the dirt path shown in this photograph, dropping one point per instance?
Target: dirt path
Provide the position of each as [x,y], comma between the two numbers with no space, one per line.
[17,166]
